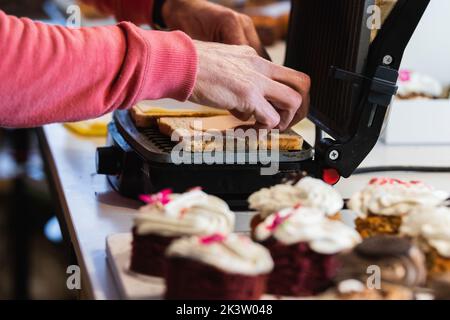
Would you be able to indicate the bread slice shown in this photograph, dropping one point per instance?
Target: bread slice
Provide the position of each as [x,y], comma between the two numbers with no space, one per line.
[145,113]
[201,129]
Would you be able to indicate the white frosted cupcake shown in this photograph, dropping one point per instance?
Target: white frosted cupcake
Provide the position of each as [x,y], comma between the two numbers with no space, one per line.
[170,216]
[413,85]
[307,192]
[217,267]
[430,226]
[356,290]
[304,245]
[384,202]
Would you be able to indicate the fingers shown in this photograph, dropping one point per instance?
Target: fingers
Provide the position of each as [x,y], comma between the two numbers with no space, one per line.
[286,101]
[287,92]
[232,31]
[302,112]
[252,36]
[265,115]
[254,104]
[290,77]
[263,112]
[240,30]
[244,116]
[296,80]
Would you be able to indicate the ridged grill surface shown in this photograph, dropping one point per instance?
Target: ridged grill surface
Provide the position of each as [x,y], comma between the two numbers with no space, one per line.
[323,34]
[154,146]
[158,141]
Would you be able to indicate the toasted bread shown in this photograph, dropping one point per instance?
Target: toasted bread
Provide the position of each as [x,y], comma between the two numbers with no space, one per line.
[187,128]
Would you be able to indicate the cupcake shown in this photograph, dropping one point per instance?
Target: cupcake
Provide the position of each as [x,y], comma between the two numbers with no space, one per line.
[400,262]
[413,85]
[353,289]
[307,191]
[430,227]
[384,202]
[217,267]
[303,244]
[167,217]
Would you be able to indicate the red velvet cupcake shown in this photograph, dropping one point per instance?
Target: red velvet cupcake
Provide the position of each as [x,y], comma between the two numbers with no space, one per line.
[308,192]
[217,268]
[303,244]
[169,216]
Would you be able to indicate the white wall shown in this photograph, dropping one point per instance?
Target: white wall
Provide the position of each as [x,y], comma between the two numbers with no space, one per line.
[429,49]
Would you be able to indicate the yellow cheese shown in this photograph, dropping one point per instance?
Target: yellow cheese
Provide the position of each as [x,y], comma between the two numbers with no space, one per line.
[146,113]
[90,128]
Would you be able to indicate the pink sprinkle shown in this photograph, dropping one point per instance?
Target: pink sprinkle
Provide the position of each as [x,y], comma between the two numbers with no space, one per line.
[145,198]
[384,181]
[380,181]
[215,238]
[195,189]
[164,194]
[162,197]
[405,75]
[298,206]
[278,221]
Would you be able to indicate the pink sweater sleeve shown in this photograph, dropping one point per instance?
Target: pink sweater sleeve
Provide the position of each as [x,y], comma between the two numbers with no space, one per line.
[55,74]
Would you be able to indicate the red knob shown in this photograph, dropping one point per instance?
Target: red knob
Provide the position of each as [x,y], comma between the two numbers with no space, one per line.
[331,176]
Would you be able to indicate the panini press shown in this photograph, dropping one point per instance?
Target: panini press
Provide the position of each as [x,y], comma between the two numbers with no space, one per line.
[353,82]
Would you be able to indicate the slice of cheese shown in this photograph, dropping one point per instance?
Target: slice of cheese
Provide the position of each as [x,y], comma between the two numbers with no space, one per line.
[145,113]
[91,128]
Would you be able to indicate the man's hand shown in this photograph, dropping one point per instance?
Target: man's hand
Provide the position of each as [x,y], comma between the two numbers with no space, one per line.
[238,79]
[207,21]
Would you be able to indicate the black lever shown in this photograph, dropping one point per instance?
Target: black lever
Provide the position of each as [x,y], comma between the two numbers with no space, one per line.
[382,87]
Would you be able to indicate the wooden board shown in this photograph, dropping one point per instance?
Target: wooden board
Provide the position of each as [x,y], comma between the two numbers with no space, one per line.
[131,285]
[134,286]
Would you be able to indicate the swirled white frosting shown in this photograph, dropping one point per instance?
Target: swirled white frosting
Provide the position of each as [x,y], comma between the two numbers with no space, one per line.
[307,192]
[393,197]
[304,224]
[431,224]
[234,253]
[190,213]
[351,286]
[416,83]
